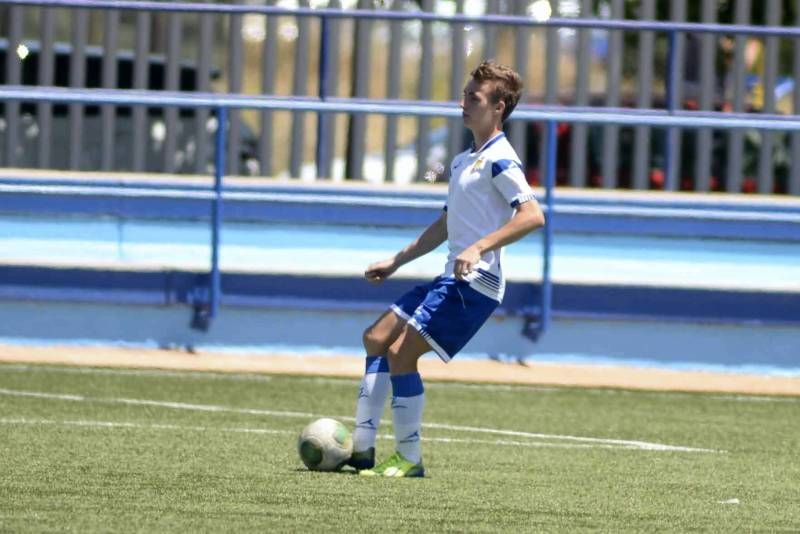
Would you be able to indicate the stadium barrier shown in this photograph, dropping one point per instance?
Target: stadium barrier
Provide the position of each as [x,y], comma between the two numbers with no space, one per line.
[207,302]
[207,298]
[678,33]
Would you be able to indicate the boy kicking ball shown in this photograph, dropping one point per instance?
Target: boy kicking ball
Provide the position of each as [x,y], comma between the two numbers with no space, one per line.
[489,205]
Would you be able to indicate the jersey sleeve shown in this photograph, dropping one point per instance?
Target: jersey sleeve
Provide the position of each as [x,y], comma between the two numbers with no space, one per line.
[509,180]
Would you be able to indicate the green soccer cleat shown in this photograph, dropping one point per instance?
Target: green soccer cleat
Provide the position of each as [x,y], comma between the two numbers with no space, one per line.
[361,460]
[395,466]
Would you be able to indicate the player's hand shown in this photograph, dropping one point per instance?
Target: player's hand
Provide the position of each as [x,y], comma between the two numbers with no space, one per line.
[466,262]
[380,271]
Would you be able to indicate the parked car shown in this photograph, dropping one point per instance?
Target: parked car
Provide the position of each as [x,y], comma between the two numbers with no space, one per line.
[187,131]
[657,160]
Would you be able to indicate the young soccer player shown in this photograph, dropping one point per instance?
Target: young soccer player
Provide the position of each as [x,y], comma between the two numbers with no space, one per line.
[489,205]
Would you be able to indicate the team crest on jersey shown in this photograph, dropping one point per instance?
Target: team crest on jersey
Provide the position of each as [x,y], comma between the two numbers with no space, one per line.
[478,165]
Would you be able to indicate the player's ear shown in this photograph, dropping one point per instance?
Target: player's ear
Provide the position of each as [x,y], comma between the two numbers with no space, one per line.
[500,107]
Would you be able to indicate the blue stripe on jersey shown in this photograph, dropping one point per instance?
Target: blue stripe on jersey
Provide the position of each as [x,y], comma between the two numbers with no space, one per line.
[408,385]
[487,283]
[504,164]
[377,364]
[499,136]
[489,275]
[519,199]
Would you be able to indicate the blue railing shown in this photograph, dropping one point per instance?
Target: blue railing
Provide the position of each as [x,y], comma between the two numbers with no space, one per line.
[670,118]
[509,20]
[566,114]
[671,29]
[209,305]
[222,103]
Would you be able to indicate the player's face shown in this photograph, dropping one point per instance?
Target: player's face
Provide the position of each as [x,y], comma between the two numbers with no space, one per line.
[478,110]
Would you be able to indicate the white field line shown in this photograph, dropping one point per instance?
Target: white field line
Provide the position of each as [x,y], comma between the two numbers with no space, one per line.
[631,444]
[149,426]
[349,382]
[627,444]
[354,382]
[210,375]
[243,430]
[509,443]
[212,408]
[52,396]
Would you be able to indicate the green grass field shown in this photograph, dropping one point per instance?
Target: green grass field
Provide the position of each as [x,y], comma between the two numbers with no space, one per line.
[124,450]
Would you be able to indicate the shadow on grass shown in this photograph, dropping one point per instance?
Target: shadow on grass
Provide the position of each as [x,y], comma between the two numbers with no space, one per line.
[339,472]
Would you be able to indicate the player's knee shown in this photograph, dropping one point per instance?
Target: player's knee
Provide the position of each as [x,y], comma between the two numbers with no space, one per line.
[373,342]
[399,360]
[394,356]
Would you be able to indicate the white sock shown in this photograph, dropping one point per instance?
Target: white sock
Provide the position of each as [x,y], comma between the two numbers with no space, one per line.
[408,400]
[371,400]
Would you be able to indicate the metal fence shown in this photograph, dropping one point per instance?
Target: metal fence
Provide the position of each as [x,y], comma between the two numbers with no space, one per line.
[206,299]
[399,50]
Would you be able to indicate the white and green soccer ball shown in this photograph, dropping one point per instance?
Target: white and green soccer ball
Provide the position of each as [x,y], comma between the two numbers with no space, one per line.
[325,445]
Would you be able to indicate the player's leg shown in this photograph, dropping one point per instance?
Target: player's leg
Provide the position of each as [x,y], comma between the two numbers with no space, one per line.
[408,394]
[405,351]
[374,387]
[449,315]
[408,401]
[382,333]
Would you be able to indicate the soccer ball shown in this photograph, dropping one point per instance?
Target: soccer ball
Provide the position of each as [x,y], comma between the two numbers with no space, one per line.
[325,445]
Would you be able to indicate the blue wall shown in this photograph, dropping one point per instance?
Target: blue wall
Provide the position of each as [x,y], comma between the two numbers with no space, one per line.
[670,279]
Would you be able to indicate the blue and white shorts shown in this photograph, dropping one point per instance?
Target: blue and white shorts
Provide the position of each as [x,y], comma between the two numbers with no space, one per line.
[446,312]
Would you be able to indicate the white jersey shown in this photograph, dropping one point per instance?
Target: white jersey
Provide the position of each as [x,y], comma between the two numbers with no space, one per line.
[486,185]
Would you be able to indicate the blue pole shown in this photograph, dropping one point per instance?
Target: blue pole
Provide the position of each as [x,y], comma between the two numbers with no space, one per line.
[322,118]
[673,75]
[216,208]
[550,184]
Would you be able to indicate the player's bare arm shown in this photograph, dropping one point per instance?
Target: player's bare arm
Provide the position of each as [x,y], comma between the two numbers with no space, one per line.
[432,237]
[527,218]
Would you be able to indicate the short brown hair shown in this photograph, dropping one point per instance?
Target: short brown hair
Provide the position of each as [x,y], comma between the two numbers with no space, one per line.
[507,83]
